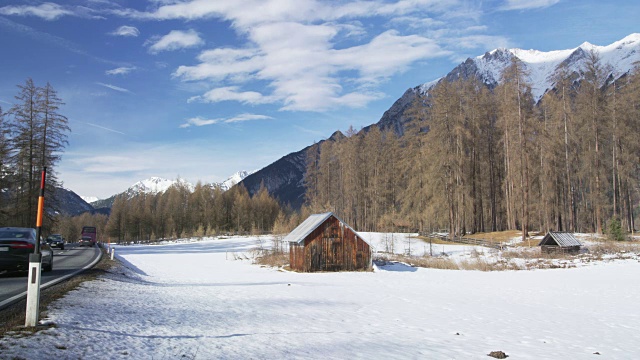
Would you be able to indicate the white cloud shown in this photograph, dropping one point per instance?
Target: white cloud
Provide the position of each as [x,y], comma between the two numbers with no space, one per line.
[120,71]
[47,11]
[113,87]
[223,63]
[527,4]
[231,93]
[176,40]
[127,31]
[301,65]
[312,55]
[200,121]
[247,117]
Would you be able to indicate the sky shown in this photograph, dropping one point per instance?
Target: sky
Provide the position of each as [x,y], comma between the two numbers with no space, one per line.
[202,89]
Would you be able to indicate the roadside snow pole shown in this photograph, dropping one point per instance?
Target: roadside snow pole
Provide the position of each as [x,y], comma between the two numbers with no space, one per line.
[35,265]
[113,252]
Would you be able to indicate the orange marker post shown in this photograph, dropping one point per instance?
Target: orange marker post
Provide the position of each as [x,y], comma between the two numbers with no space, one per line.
[35,265]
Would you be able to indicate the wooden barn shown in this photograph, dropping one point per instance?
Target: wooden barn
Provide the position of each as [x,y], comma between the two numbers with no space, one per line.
[323,242]
[560,242]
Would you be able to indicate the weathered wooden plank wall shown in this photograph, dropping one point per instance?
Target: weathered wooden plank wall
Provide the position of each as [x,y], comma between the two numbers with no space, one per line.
[330,247]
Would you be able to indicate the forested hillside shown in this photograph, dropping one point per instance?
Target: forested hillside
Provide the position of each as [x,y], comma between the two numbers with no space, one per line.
[476,158]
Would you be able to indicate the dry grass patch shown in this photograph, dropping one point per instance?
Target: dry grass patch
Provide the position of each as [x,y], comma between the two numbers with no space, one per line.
[619,249]
[272,259]
[446,263]
[498,237]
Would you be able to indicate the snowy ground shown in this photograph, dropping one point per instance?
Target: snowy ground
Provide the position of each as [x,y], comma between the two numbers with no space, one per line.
[195,301]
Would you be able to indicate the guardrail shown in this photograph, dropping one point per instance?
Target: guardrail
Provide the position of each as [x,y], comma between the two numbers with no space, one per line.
[470,241]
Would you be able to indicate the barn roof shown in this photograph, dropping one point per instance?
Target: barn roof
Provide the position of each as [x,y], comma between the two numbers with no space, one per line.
[561,238]
[308,226]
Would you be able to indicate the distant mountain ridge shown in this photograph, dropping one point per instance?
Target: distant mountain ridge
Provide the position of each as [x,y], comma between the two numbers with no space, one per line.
[70,203]
[284,178]
[157,185]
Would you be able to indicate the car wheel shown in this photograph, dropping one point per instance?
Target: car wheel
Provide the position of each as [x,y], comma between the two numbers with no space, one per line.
[61,247]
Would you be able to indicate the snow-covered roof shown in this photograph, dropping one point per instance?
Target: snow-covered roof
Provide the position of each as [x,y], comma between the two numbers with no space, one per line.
[310,224]
[561,238]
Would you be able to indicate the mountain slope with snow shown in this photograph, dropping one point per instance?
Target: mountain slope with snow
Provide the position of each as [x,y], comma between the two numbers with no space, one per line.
[616,59]
[155,185]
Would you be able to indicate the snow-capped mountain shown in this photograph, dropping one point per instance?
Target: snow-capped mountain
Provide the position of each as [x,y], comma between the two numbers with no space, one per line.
[155,185]
[234,179]
[616,59]
[542,67]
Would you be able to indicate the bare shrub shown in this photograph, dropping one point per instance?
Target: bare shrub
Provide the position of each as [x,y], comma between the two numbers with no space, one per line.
[276,256]
[432,262]
[272,259]
[614,248]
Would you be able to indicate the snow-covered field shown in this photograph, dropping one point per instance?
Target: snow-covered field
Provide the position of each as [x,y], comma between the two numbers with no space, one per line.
[198,301]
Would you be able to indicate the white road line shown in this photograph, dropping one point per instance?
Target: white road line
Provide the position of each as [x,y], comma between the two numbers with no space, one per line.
[52,282]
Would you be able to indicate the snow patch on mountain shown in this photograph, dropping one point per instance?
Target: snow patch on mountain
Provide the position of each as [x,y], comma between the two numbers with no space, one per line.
[234,179]
[89,199]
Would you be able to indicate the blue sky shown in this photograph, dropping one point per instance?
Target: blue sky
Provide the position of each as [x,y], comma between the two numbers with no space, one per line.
[202,89]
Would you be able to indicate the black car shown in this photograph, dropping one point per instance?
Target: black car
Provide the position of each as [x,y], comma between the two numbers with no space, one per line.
[15,246]
[86,241]
[56,240]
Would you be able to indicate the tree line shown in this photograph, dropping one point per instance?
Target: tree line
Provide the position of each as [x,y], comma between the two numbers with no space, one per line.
[179,212]
[33,135]
[475,159]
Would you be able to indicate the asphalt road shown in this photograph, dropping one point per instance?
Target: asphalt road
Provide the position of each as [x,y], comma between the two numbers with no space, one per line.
[66,263]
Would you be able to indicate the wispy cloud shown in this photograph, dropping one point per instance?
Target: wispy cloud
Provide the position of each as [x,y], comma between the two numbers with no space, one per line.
[527,4]
[113,87]
[303,67]
[47,11]
[232,93]
[126,31]
[176,40]
[120,71]
[247,117]
[200,121]
[105,128]
[49,39]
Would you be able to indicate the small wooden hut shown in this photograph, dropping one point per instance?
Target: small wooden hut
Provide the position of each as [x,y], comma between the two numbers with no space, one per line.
[323,242]
[560,242]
